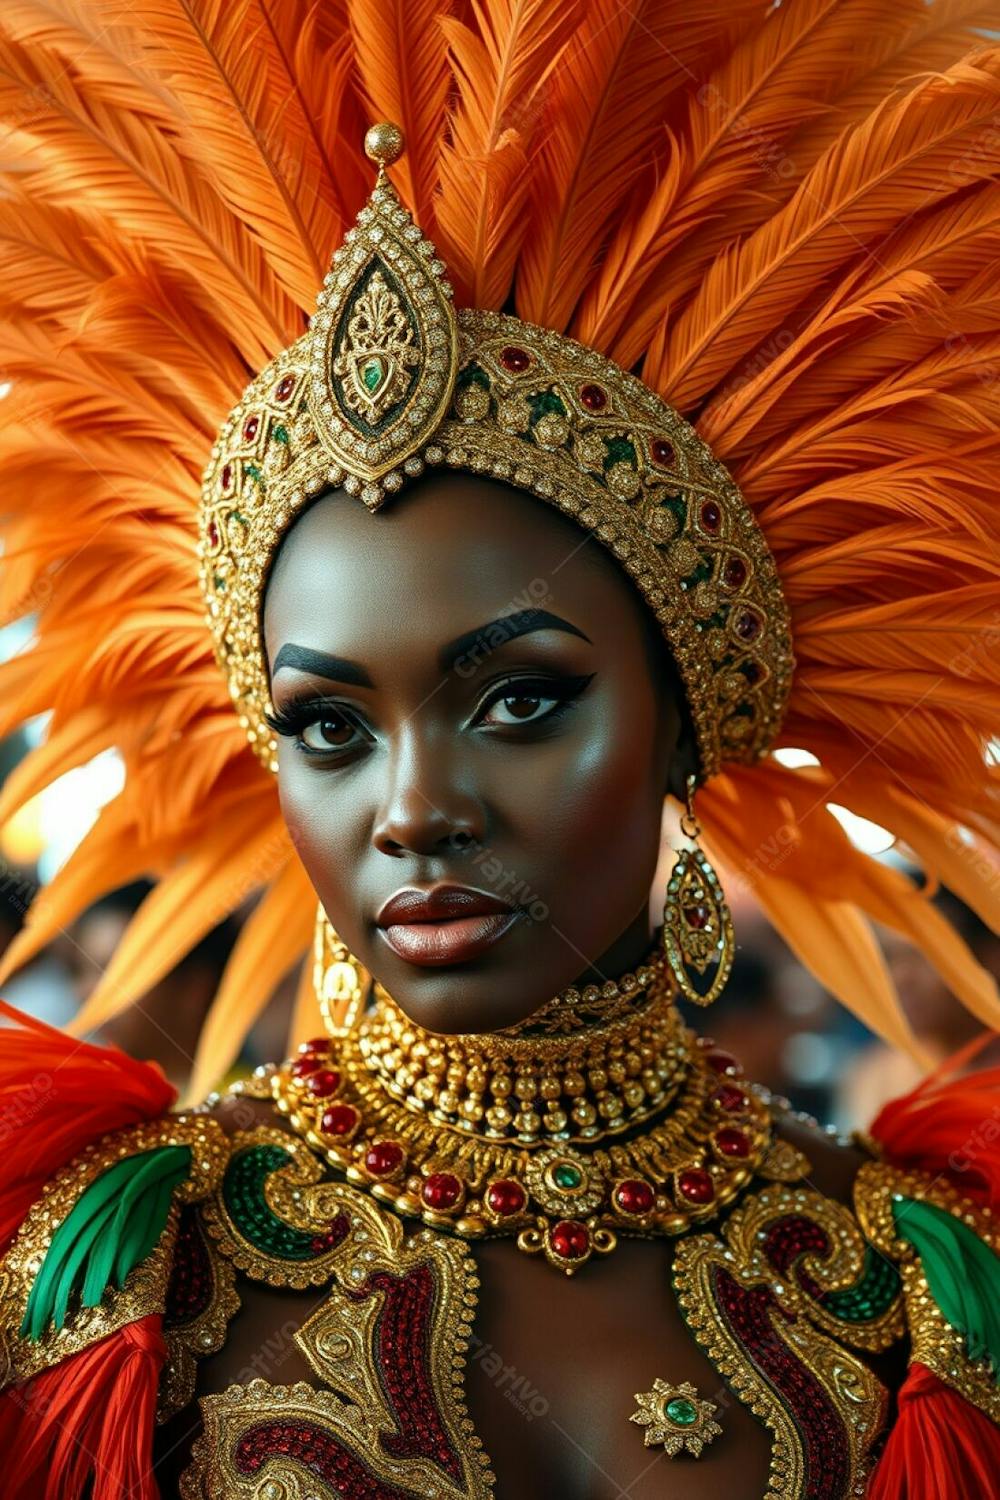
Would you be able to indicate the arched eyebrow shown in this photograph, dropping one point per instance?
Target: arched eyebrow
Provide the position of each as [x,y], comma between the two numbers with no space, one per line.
[475,644]
[486,638]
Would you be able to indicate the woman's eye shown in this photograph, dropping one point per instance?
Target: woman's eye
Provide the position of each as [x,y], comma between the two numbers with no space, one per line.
[331,732]
[519,708]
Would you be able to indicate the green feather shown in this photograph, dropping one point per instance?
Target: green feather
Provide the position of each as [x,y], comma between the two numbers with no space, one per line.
[112,1227]
[962,1272]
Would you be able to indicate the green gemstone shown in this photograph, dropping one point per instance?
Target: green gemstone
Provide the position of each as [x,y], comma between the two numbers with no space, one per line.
[371,373]
[280,433]
[565,1176]
[681,1411]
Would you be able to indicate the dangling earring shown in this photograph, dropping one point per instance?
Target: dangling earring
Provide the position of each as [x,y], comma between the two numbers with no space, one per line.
[338,979]
[697,926]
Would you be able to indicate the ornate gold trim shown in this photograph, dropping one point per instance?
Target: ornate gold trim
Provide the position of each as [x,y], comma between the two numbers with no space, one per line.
[860,1399]
[144,1288]
[378,1409]
[933,1340]
[205,1333]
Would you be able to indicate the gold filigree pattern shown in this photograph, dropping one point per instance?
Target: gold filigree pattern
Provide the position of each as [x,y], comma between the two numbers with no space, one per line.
[267,1215]
[389,1341]
[144,1289]
[829,1273]
[933,1341]
[489,394]
[201,1299]
[823,1406]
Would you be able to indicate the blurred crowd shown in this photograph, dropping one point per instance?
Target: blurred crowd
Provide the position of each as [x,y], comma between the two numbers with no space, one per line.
[789,1033]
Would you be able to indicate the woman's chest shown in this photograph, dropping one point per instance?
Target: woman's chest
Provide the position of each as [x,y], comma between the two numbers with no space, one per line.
[385,1365]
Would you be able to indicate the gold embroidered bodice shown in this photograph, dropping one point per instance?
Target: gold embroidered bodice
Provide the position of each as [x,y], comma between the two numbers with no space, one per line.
[789,1294]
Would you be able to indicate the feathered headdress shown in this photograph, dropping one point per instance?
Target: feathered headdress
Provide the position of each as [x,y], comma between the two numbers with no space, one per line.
[792,239]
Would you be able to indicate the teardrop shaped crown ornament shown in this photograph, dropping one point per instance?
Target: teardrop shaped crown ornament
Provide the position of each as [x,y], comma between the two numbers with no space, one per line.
[383,344]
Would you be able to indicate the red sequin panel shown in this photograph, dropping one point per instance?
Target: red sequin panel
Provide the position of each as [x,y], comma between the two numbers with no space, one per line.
[403,1355]
[787,1240]
[749,1313]
[319,1452]
[189,1290]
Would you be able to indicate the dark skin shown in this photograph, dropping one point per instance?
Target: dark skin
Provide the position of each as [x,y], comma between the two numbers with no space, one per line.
[421,781]
[422,776]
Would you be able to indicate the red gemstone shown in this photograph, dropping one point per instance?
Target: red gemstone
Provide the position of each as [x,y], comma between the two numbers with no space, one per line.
[732,1142]
[339,1119]
[730,1098]
[227,476]
[634,1196]
[711,516]
[323,1083]
[441,1190]
[303,1066]
[696,1185]
[506,1197]
[250,428]
[734,574]
[515,359]
[753,672]
[697,916]
[570,1239]
[594,397]
[285,387]
[724,1062]
[662,451]
[315,1044]
[747,626]
[213,533]
[383,1157]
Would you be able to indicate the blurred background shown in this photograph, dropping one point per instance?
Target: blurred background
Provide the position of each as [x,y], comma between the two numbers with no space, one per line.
[787,1031]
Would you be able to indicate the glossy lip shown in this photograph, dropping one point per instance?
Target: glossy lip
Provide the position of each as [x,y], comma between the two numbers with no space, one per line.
[447,924]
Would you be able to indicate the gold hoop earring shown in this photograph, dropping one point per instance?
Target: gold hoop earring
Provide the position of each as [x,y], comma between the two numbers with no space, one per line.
[339,980]
[697,925]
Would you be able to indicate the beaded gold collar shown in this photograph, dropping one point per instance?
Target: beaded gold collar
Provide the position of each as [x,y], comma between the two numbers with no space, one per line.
[562,1141]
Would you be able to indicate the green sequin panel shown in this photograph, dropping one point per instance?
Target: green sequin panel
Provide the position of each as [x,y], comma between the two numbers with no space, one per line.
[243,1195]
[871,1295]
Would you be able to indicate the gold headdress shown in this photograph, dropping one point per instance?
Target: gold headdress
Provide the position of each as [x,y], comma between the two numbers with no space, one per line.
[792,239]
[390,379]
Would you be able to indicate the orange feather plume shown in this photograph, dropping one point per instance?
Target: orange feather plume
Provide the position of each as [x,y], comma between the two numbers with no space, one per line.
[794,236]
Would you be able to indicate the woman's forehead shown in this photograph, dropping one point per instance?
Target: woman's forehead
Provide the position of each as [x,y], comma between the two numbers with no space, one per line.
[456,552]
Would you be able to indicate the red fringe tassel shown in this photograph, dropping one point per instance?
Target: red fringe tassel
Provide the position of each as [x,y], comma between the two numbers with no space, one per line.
[92,1415]
[57,1094]
[941,1448]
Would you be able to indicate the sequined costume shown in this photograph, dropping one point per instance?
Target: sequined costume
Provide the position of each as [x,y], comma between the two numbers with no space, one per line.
[720,287]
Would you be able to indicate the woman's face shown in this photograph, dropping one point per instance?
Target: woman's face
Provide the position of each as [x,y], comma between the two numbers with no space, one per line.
[479,724]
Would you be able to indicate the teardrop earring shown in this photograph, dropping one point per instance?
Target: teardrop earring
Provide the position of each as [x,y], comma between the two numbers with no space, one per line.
[697,925]
[339,980]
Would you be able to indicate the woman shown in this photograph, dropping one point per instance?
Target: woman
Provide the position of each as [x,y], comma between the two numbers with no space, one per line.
[502,1224]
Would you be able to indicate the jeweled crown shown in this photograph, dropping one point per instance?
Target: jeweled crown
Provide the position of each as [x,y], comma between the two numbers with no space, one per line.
[390,378]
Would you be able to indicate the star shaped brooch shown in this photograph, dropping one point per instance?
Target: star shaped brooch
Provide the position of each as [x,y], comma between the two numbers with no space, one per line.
[674,1416]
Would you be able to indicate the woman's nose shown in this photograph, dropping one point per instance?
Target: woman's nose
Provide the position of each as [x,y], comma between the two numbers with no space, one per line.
[425,810]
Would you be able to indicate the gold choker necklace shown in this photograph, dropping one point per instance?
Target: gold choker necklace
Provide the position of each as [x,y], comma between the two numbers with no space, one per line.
[563,1141]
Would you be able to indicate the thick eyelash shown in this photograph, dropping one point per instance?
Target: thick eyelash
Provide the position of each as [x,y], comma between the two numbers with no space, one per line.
[564,689]
[300,713]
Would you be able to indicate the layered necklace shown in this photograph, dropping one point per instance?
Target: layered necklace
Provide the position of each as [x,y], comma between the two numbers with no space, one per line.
[602,1115]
